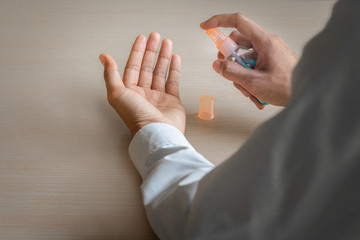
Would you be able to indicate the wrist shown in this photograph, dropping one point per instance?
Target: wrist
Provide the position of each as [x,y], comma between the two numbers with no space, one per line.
[136,127]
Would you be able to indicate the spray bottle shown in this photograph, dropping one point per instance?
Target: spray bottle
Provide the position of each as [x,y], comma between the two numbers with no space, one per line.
[229,49]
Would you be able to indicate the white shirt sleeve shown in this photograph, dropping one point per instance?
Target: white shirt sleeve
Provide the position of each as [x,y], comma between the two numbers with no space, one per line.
[171,169]
[296,177]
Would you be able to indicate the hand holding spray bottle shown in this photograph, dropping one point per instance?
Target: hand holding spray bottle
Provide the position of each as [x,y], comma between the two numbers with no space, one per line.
[229,48]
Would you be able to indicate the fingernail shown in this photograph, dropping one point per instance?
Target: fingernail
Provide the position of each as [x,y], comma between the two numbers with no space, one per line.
[217,66]
[102,59]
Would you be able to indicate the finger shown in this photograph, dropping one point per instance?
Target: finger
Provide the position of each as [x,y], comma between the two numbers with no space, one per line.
[112,77]
[172,83]
[236,73]
[162,65]
[258,104]
[220,56]
[242,90]
[240,40]
[250,30]
[148,62]
[133,65]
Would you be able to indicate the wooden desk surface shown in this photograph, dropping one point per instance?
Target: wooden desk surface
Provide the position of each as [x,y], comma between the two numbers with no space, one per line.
[65,172]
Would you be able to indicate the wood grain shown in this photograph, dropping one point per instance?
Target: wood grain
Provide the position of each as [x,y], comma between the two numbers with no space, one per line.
[64,168]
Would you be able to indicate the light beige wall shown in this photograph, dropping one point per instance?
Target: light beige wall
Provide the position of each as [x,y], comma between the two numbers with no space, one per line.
[64,167]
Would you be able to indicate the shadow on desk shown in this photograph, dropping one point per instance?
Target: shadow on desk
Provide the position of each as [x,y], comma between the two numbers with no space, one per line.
[221,125]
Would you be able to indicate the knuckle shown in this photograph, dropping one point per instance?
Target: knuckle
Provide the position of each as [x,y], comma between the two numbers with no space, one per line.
[175,71]
[268,40]
[215,17]
[147,68]
[165,58]
[234,33]
[274,39]
[172,84]
[239,17]
[226,68]
[160,74]
[134,67]
[108,73]
[274,36]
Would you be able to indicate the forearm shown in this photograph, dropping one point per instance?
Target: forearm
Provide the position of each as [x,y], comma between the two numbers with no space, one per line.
[171,169]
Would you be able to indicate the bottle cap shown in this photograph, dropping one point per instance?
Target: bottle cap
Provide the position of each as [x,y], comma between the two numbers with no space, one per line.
[225,44]
[206,107]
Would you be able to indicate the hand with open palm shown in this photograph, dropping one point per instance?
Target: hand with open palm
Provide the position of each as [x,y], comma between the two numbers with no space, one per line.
[144,95]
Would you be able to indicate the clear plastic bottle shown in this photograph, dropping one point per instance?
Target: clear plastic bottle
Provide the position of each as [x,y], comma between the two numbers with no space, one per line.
[230,50]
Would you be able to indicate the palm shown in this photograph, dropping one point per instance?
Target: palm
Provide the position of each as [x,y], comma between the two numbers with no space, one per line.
[155,105]
[158,99]
[145,95]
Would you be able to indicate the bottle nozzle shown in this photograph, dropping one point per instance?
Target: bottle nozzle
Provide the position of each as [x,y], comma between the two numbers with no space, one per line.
[225,44]
[217,36]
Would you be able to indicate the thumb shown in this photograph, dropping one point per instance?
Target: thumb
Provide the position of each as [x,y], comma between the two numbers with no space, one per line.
[248,29]
[113,81]
[236,73]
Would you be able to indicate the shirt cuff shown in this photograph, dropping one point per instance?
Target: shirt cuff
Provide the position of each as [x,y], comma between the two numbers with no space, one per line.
[152,137]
